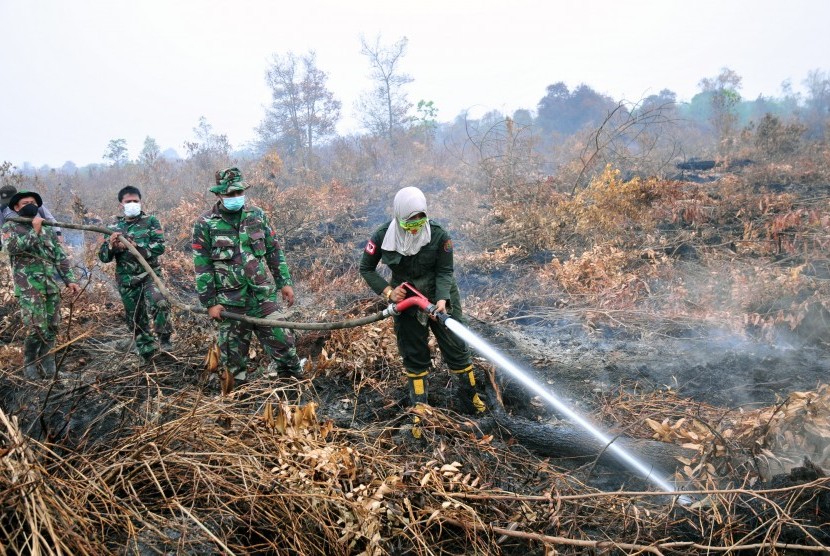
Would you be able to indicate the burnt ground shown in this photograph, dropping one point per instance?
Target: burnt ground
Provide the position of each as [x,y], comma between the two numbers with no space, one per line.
[717,368]
[577,363]
[109,393]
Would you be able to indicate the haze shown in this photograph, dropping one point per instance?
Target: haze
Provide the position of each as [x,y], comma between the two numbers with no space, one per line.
[79,74]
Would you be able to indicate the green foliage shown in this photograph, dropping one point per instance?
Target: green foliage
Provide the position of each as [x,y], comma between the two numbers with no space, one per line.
[427,118]
[565,112]
[116,152]
[150,153]
[777,140]
[723,98]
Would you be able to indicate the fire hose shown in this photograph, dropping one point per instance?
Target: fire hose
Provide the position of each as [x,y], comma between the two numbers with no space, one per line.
[416,299]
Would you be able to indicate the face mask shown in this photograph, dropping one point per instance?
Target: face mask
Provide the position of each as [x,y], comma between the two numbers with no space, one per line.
[28,211]
[233,204]
[413,225]
[132,209]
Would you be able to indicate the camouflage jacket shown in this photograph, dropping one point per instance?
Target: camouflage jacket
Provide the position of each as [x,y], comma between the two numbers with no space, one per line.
[146,233]
[232,253]
[38,260]
[430,270]
[43,212]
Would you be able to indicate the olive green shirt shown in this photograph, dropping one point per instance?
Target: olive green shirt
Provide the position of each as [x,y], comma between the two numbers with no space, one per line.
[430,270]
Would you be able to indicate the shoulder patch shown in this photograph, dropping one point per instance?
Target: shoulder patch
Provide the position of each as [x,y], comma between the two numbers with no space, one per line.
[448,246]
[371,247]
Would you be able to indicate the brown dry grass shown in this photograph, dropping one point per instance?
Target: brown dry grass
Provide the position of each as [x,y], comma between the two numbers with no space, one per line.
[193,471]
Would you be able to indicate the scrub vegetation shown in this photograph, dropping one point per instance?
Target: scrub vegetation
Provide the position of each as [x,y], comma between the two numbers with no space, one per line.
[661,264]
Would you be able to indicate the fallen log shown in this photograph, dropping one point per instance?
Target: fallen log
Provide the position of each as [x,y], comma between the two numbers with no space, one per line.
[696,164]
[564,440]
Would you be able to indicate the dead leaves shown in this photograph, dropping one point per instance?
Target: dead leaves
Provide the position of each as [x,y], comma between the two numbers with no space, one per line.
[448,477]
[212,359]
[689,433]
[612,277]
[797,427]
[211,366]
[359,351]
[291,420]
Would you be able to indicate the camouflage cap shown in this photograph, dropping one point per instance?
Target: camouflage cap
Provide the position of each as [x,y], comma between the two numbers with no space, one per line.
[228,181]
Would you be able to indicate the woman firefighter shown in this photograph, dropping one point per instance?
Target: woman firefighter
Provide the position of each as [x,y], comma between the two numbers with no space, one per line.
[419,251]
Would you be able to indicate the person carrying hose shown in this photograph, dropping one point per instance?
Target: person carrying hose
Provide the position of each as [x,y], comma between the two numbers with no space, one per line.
[240,266]
[38,261]
[6,211]
[419,251]
[143,302]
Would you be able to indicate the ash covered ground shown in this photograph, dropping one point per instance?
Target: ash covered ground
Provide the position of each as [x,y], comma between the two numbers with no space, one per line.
[714,368]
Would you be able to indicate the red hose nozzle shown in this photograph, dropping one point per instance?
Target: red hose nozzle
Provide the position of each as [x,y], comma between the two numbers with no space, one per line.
[415,299]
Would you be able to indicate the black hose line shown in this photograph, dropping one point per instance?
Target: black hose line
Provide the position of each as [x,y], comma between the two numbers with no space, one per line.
[351,323]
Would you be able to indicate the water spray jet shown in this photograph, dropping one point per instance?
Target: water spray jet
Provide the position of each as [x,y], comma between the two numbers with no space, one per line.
[417,299]
[414,299]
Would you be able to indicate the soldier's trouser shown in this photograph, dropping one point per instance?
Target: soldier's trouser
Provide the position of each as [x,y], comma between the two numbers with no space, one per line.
[413,343]
[41,315]
[235,340]
[144,304]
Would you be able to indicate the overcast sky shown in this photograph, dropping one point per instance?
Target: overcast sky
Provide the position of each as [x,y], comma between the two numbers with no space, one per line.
[79,73]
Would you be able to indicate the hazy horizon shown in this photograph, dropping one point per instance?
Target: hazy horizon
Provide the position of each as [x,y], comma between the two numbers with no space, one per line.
[84,73]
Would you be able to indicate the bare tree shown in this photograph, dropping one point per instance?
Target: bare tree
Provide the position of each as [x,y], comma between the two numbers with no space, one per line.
[817,113]
[383,110]
[209,150]
[302,109]
[635,137]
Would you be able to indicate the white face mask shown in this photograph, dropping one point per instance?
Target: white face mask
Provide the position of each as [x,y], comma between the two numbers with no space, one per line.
[132,209]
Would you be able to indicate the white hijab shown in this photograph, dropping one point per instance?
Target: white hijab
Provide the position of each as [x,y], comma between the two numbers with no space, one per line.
[408,202]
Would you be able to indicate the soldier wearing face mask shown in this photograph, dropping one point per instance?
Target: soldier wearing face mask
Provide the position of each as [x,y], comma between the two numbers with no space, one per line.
[38,261]
[240,266]
[143,302]
[6,193]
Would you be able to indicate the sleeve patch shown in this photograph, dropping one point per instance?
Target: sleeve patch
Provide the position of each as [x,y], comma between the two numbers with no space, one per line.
[448,246]
[371,247]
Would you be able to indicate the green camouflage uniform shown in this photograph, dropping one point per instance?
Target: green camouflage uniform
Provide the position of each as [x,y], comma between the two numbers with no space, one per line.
[38,261]
[143,302]
[233,253]
[430,271]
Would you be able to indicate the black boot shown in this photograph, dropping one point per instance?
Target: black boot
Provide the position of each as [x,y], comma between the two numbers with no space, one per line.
[31,353]
[281,370]
[47,359]
[417,387]
[465,381]
[165,343]
[147,358]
